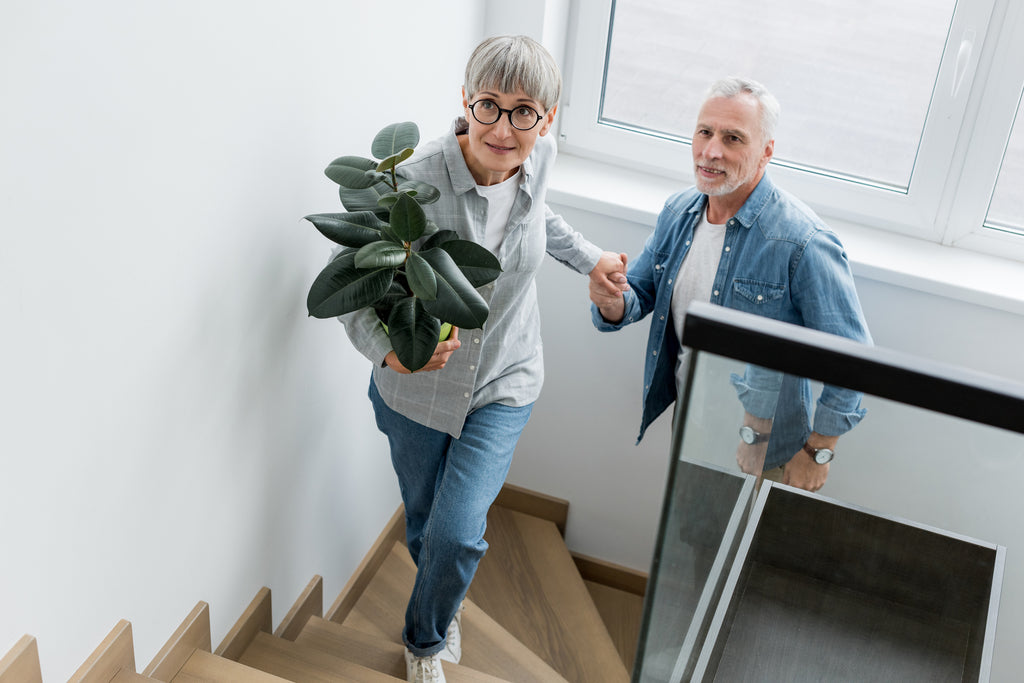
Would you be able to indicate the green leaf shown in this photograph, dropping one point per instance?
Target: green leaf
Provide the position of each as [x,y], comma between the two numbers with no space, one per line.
[394,160]
[364,199]
[394,138]
[478,264]
[342,288]
[381,254]
[421,277]
[431,228]
[396,292]
[351,172]
[439,238]
[413,332]
[348,229]
[388,200]
[377,177]
[425,193]
[407,218]
[457,301]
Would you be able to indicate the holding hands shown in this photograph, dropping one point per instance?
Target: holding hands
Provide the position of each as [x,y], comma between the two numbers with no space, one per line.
[607,283]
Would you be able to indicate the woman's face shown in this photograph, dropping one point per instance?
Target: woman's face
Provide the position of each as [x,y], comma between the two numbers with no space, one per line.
[494,152]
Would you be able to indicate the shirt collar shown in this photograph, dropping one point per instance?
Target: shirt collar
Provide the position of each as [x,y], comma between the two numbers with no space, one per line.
[751,208]
[756,202]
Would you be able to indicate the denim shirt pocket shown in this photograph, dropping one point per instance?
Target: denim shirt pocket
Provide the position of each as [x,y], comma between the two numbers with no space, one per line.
[761,298]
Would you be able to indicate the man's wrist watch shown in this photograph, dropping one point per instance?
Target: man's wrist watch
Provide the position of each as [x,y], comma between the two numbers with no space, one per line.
[750,436]
[821,456]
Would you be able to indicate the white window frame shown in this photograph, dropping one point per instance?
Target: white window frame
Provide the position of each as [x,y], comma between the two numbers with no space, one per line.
[964,136]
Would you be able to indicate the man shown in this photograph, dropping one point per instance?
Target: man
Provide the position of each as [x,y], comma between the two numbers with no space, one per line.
[739,241]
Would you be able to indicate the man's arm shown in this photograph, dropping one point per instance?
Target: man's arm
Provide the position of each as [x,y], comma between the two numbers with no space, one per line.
[802,472]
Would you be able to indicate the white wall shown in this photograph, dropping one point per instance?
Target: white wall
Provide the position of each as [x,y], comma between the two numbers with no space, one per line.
[174,428]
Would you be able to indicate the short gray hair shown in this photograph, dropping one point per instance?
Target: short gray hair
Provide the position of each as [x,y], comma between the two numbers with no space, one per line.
[511,63]
[770,107]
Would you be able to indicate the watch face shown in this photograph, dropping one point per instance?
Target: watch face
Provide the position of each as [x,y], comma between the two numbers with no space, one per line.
[748,434]
[824,455]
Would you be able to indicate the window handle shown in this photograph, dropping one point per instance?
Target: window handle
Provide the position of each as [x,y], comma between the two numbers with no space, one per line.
[963,56]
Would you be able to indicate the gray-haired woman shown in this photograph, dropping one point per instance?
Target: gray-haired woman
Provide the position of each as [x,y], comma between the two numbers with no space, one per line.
[452,426]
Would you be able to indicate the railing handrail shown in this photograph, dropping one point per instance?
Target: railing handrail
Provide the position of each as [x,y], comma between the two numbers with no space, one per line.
[944,388]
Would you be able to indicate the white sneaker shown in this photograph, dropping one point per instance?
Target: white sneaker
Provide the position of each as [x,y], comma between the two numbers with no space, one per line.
[452,651]
[423,669]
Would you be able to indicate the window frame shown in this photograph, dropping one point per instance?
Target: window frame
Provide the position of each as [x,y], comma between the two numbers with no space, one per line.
[964,137]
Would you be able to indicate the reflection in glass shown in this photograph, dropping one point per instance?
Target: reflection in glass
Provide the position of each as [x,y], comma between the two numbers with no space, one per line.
[855,78]
[895,569]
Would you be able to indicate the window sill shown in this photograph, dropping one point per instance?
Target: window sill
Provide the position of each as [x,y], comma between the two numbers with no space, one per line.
[874,254]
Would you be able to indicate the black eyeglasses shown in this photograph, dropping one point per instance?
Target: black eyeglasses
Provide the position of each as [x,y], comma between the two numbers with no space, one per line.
[521,118]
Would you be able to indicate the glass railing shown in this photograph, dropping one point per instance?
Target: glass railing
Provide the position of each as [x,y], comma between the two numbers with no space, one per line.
[895,570]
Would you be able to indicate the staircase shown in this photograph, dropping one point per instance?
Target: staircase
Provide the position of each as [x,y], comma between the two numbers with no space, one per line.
[534,613]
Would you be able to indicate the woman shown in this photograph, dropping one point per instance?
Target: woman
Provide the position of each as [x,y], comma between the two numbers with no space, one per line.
[453,425]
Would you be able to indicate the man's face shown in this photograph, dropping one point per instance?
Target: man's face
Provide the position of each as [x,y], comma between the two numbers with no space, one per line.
[729,154]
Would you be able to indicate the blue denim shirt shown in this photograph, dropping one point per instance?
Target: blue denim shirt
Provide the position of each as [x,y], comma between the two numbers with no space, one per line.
[779,260]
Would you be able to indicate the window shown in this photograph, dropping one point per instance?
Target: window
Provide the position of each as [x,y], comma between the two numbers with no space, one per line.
[1007,209]
[883,104]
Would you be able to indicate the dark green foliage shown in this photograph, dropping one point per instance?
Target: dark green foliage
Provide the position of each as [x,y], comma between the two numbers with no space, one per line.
[413,288]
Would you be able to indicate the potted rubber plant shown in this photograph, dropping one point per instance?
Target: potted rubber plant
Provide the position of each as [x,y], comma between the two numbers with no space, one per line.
[418,278]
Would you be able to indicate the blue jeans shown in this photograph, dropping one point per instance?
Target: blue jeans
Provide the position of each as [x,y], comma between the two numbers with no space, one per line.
[447,487]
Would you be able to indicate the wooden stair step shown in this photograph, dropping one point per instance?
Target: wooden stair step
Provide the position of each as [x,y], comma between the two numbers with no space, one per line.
[125,676]
[193,634]
[528,582]
[296,662]
[205,667]
[21,663]
[389,657]
[621,611]
[486,647]
[367,649]
[114,654]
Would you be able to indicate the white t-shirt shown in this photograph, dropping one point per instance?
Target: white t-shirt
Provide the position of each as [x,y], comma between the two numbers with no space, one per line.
[500,198]
[695,279]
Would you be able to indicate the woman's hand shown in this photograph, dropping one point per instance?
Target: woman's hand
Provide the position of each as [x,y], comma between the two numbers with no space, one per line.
[609,274]
[437,361]
[607,283]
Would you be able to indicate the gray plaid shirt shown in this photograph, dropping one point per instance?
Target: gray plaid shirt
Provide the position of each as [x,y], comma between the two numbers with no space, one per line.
[503,362]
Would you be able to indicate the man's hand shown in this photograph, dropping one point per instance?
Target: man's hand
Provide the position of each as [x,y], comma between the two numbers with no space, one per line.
[607,283]
[437,361]
[750,457]
[802,472]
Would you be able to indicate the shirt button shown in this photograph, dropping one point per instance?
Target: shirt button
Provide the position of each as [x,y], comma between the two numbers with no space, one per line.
[661,317]
[760,298]
[670,280]
[654,353]
[716,292]
[657,266]
[466,395]
[687,242]
[728,248]
[472,367]
[476,341]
